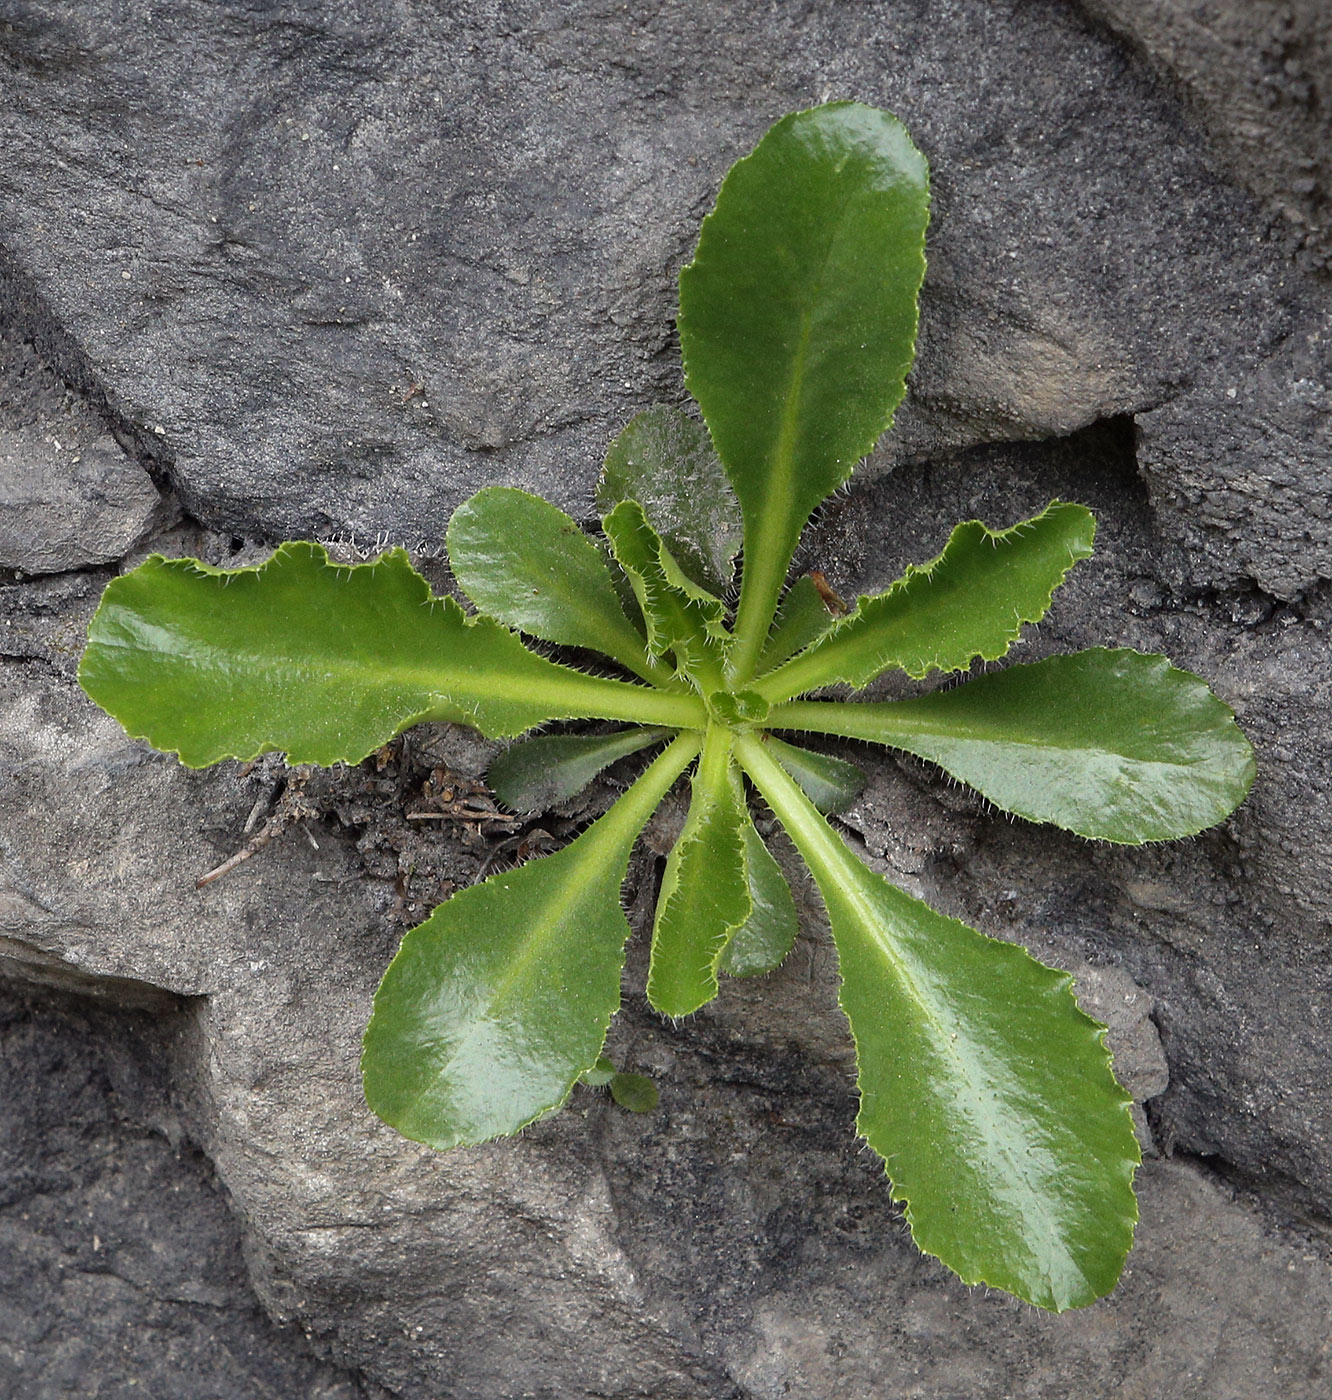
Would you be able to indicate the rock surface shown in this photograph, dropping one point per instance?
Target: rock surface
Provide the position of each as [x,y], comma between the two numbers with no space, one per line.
[355,261]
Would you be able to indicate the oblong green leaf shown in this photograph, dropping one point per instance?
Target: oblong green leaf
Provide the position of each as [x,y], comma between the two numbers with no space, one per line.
[983,1086]
[762,942]
[798,323]
[636,1092]
[681,617]
[831,784]
[1112,744]
[801,620]
[970,602]
[494,1007]
[665,460]
[704,892]
[524,561]
[324,661]
[539,773]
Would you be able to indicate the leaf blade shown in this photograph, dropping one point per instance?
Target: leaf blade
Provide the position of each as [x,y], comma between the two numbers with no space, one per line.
[798,323]
[1112,744]
[971,601]
[499,1003]
[665,460]
[539,773]
[761,944]
[326,662]
[1013,1149]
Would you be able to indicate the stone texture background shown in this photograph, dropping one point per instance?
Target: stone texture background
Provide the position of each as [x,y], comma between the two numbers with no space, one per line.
[304,268]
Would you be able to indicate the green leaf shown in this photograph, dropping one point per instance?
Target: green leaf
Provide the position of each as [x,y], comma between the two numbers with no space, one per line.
[1115,745]
[599,1075]
[524,561]
[983,1086]
[539,773]
[323,661]
[636,1092]
[739,708]
[498,1004]
[762,942]
[971,601]
[681,617]
[798,323]
[704,891]
[665,461]
[801,620]
[831,784]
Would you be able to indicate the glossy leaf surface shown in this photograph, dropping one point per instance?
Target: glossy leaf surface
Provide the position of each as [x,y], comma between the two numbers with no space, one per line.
[539,773]
[983,1086]
[497,1004]
[525,562]
[970,602]
[831,784]
[798,323]
[1112,744]
[762,942]
[323,661]
[704,892]
[665,461]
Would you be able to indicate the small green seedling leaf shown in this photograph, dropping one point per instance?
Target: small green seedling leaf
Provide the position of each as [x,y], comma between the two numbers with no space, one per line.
[704,892]
[538,774]
[1009,1140]
[498,1004]
[1115,745]
[636,1092]
[524,561]
[798,324]
[600,1074]
[323,661]
[665,461]
[831,784]
[970,602]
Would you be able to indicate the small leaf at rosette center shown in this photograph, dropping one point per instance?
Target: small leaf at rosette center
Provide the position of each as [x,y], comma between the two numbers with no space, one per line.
[664,460]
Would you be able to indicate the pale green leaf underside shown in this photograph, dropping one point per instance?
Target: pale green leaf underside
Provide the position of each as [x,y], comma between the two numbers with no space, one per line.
[664,460]
[539,773]
[499,1003]
[1111,744]
[798,323]
[524,562]
[970,602]
[983,1086]
[323,661]
[761,943]
[704,892]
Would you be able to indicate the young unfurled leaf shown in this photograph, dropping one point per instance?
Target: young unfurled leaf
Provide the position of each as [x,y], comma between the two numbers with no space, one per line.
[1115,745]
[801,620]
[497,1004]
[831,784]
[323,661]
[542,772]
[761,943]
[983,1086]
[798,324]
[524,561]
[681,617]
[704,892]
[971,601]
[665,461]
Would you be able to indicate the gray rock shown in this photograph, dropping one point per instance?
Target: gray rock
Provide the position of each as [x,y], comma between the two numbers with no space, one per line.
[69,496]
